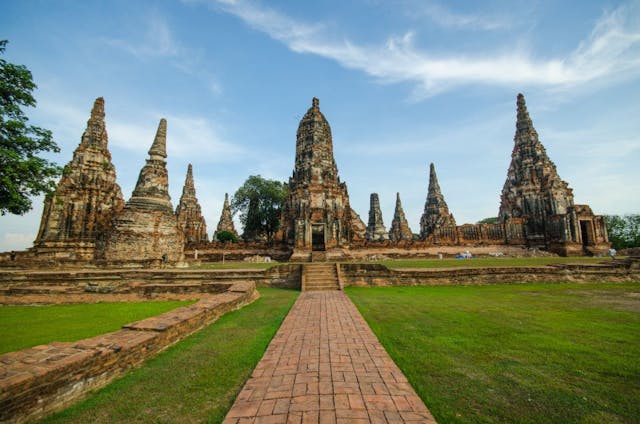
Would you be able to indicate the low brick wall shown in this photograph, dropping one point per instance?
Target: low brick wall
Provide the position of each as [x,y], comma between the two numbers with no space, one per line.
[35,382]
[122,285]
[379,275]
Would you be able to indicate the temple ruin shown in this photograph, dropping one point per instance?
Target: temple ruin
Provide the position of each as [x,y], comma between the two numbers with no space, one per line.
[535,192]
[436,221]
[86,219]
[375,227]
[317,215]
[399,226]
[226,219]
[78,215]
[147,228]
[189,213]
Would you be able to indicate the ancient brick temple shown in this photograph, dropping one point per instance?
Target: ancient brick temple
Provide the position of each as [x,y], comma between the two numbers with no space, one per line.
[226,219]
[535,193]
[147,228]
[399,226]
[316,214]
[189,213]
[78,215]
[436,219]
[375,227]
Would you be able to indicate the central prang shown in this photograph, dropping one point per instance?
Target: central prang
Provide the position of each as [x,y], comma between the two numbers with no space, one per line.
[316,215]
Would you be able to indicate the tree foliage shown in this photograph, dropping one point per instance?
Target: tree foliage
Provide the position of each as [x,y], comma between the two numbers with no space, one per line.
[226,236]
[259,202]
[624,230]
[22,173]
[490,220]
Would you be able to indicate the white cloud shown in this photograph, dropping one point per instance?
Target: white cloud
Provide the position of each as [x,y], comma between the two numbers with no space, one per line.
[446,18]
[611,50]
[158,40]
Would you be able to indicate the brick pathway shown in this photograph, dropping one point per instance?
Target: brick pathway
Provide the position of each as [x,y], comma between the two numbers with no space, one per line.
[325,365]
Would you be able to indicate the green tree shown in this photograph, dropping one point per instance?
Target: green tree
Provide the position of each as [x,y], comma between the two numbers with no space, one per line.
[624,231]
[259,202]
[22,173]
[226,236]
[491,220]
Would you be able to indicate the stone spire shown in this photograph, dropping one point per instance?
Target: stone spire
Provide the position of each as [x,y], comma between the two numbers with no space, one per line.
[77,216]
[189,213]
[533,190]
[226,219]
[375,227]
[316,214]
[147,228]
[399,226]
[152,188]
[159,146]
[436,212]
[96,132]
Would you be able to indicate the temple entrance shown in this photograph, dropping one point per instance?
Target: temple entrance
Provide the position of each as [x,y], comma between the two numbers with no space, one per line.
[317,237]
[586,231]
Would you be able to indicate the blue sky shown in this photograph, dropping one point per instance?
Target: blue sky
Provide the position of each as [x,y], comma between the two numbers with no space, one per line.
[403,83]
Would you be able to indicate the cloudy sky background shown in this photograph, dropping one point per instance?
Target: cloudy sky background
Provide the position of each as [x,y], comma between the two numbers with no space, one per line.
[402,82]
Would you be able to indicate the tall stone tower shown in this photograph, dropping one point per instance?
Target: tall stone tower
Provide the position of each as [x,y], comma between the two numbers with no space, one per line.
[533,189]
[226,219]
[535,193]
[399,226]
[317,214]
[189,213]
[77,216]
[436,212]
[375,227]
[147,228]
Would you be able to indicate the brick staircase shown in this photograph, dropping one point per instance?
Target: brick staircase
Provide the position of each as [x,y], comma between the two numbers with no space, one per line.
[320,276]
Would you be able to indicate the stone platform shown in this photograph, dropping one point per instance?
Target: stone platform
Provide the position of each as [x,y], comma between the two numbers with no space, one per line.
[325,365]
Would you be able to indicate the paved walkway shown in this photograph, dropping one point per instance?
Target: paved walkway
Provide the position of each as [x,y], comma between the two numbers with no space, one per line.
[325,365]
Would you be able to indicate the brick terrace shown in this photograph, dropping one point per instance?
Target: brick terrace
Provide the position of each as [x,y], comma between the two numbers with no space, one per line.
[326,365]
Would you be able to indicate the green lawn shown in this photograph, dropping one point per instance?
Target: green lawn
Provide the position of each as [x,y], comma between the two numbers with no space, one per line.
[196,380]
[486,262]
[22,327]
[529,353]
[236,265]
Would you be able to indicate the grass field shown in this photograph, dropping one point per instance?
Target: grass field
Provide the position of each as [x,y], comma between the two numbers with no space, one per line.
[524,353]
[22,327]
[486,262]
[236,265]
[196,380]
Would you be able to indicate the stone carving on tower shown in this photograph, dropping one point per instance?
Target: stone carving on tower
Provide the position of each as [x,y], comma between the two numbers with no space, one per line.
[399,226]
[147,228]
[375,228]
[316,214]
[226,219]
[436,216]
[79,213]
[189,213]
[535,193]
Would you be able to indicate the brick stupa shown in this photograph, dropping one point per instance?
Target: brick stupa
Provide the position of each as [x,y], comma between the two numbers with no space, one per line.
[79,213]
[436,212]
[226,219]
[375,227]
[399,226]
[316,213]
[533,189]
[147,228]
[189,213]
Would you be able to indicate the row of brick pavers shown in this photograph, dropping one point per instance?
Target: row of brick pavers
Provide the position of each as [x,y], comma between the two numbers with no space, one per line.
[326,365]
